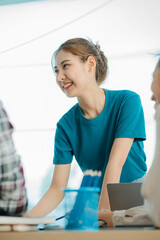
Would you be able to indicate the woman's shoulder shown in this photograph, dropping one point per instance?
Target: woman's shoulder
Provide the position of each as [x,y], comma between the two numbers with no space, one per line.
[69,115]
[121,93]
[119,98]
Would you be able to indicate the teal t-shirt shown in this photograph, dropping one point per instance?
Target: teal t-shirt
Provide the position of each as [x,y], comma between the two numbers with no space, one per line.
[90,140]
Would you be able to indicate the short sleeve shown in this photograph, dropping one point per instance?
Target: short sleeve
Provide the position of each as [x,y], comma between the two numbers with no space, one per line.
[63,153]
[130,121]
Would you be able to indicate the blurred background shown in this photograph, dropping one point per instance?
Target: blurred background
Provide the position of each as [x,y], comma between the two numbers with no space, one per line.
[30,31]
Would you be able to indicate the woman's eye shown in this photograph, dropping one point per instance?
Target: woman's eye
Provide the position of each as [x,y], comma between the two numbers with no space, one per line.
[65,65]
[55,71]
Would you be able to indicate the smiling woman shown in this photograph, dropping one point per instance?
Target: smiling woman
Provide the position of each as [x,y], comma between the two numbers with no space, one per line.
[28,87]
[73,61]
[104,131]
[84,49]
[71,74]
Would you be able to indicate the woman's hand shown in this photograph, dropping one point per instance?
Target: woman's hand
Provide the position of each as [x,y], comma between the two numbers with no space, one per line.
[54,194]
[107,217]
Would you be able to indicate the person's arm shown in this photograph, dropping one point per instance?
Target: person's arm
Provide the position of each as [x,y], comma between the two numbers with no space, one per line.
[133,216]
[54,195]
[117,158]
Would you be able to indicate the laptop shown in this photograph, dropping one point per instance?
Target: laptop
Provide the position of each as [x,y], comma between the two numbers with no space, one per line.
[124,195]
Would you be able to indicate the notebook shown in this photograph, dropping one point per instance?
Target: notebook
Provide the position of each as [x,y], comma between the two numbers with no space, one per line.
[124,195]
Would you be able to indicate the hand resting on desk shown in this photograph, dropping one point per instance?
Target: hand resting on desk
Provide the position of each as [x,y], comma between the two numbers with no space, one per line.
[107,217]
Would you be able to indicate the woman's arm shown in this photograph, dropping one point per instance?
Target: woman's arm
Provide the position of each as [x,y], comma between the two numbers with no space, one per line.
[117,158]
[54,195]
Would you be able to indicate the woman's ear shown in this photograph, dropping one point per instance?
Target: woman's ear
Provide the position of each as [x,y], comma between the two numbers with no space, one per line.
[91,63]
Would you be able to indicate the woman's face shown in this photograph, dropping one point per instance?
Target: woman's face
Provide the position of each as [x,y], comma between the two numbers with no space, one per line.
[72,75]
[156,85]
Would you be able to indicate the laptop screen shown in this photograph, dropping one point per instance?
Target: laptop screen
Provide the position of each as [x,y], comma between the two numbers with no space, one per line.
[124,195]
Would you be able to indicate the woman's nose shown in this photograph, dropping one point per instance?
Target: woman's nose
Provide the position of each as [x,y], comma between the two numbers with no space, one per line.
[61,76]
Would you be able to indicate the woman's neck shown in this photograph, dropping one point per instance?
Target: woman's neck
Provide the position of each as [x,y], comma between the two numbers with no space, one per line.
[92,103]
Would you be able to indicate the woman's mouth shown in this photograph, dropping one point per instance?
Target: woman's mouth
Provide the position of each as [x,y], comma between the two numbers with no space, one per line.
[67,86]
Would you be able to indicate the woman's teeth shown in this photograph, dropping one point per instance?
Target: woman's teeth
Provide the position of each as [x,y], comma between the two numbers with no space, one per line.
[67,85]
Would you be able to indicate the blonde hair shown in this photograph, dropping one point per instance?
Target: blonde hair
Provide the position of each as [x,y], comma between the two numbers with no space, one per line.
[83,49]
